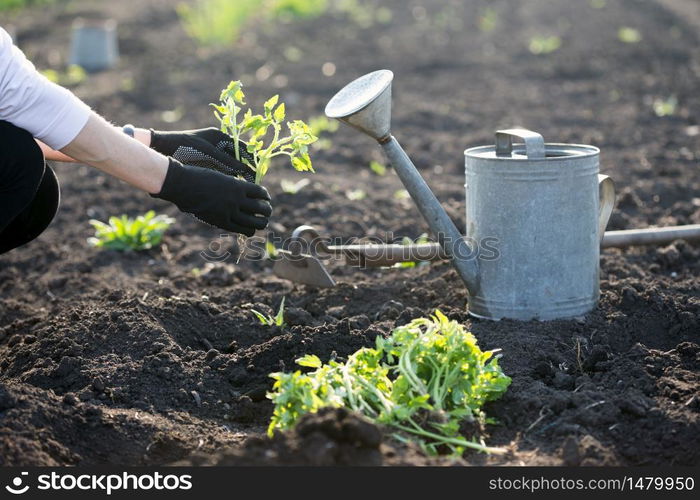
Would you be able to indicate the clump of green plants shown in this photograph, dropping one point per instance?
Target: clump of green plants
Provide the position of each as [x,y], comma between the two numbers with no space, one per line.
[271,251]
[126,233]
[298,8]
[73,75]
[665,107]
[269,320]
[424,381]
[629,35]
[540,45]
[291,187]
[10,5]
[488,20]
[219,22]
[377,168]
[422,239]
[321,126]
[262,134]
[355,194]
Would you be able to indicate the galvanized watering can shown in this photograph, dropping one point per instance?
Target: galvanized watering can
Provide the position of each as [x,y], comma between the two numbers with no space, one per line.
[540,209]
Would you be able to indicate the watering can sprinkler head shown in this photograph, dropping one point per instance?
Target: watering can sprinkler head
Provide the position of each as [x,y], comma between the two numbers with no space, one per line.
[365,104]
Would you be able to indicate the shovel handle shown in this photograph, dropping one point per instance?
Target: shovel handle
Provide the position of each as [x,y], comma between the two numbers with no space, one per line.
[373,255]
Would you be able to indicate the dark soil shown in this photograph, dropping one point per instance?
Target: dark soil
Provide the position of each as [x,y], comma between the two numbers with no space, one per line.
[155,357]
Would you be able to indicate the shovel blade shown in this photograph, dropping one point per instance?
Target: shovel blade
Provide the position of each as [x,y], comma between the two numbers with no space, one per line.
[304,269]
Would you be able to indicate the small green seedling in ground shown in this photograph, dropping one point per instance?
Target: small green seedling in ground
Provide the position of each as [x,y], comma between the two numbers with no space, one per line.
[355,194]
[217,22]
[73,75]
[363,13]
[540,45]
[319,126]
[629,35]
[665,107]
[15,5]
[271,252]
[290,187]
[261,135]
[424,381]
[423,238]
[298,9]
[488,20]
[267,320]
[401,194]
[377,168]
[125,233]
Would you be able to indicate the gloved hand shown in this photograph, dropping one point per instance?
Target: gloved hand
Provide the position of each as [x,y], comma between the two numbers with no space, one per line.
[207,147]
[217,199]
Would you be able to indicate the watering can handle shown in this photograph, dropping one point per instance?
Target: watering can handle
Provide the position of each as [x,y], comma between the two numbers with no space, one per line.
[534,142]
[606,187]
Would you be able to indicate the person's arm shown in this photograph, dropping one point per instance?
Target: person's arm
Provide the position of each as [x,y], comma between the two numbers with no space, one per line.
[140,134]
[61,121]
[109,149]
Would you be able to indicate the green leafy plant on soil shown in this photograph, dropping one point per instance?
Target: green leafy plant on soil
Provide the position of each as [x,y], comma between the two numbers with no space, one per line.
[540,45]
[665,107]
[271,252]
[377,168]
[488,20]
[291,187]
[321,126]
[422,239]
[73,75]
[355,194]
[19,4]
[269,320]
[629,35]
[219,22]
[126,233]
[298,8]
[424,381]
[262,134]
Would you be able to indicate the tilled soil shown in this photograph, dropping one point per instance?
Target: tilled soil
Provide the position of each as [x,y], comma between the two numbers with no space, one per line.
[155,358]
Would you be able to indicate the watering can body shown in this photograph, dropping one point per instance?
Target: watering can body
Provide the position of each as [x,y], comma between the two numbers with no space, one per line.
[544,207]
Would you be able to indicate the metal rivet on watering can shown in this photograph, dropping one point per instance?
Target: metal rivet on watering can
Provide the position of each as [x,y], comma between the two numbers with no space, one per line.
[543,205]
[94,45]
[547,207]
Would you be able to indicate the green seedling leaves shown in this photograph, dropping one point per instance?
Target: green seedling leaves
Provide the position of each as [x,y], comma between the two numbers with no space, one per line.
[269,320]
[124,233]
[309,361]
[424,380]
[262,133]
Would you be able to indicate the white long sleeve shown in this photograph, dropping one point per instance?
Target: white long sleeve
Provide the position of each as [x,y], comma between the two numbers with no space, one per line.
[29,101]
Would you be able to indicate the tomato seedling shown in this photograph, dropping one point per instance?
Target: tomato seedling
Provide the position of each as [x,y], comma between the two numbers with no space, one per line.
[424,381]
[262,135]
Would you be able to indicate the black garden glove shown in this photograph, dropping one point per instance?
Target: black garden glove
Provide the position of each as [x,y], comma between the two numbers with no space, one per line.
[207,147]
[216,199]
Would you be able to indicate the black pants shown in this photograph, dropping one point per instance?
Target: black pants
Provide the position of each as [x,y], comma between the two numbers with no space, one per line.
[29,193]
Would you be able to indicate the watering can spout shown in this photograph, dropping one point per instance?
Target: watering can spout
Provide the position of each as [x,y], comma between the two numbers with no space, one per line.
[365,104]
